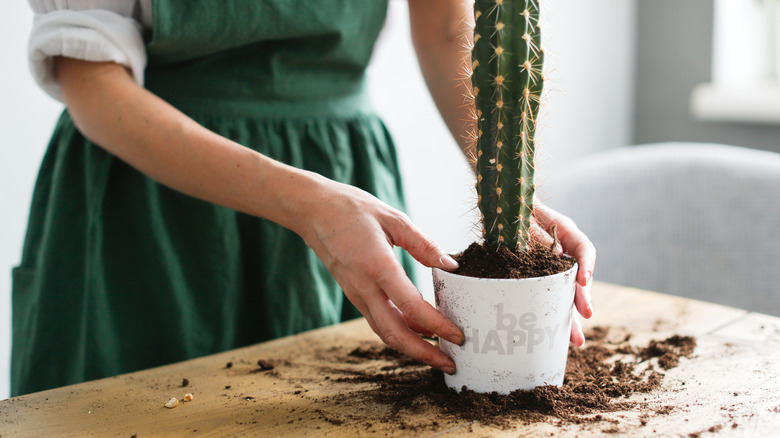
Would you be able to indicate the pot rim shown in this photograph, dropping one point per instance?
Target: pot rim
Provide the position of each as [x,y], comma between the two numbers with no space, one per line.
[569,271]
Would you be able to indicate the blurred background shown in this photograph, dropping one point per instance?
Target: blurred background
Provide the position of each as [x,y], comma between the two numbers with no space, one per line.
[618,74]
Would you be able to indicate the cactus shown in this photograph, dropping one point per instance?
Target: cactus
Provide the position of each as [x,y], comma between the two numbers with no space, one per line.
[507,84]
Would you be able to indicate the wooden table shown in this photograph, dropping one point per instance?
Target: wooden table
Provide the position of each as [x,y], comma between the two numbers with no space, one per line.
[730,385]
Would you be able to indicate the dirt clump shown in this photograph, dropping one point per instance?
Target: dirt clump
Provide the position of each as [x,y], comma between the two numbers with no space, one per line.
[264,365]
[668,351]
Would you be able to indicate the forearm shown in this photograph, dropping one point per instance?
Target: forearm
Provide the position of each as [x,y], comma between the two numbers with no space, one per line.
[441,35]
[133,124]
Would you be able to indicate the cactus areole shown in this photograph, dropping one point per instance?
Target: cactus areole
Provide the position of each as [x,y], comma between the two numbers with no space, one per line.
[507,84]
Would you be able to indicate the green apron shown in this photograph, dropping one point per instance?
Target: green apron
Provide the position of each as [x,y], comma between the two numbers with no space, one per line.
[120,273]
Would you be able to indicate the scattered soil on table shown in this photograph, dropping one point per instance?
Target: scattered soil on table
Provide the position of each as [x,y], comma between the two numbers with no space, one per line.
[669,351]
[712,430]
[487,261]
[381,352]
[599,379]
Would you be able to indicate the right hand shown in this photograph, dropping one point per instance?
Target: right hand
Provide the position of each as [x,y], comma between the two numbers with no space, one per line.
[354,233]
[576,244]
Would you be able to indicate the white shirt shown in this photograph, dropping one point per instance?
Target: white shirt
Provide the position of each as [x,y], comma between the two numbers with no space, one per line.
[90,30]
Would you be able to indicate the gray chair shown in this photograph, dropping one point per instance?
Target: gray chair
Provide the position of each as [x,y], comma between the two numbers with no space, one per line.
[695,220]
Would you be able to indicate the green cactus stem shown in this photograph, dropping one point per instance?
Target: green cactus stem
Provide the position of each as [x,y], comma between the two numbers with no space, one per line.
[507,83]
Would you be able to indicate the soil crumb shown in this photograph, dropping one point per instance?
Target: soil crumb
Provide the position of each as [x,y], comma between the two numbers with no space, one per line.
[487,261]
[599,379]
[264,365]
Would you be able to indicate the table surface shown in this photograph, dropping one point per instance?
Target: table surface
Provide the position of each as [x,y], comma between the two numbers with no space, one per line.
[729,385]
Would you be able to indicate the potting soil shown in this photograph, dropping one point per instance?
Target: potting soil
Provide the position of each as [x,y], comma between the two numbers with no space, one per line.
[486,261]
[599,379]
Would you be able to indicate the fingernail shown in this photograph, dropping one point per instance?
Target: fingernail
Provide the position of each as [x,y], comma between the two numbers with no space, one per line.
[457,340]
[447,262]
[448,370]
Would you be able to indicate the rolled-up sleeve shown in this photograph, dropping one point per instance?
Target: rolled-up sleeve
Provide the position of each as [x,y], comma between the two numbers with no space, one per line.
[82,30]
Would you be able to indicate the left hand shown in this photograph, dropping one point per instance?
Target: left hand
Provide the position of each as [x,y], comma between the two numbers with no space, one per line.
[576,244]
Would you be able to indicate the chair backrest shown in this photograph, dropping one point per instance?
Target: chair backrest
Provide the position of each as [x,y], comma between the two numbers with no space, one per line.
[695,220]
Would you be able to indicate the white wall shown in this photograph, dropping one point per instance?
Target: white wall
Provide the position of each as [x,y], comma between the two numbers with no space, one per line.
[591,51]
[590,57]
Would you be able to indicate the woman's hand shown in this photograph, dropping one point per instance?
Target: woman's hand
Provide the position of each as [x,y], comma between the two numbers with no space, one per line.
[353,233]
[576,244]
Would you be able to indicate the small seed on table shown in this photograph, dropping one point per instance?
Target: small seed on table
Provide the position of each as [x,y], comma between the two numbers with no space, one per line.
[187,397]
[172,403]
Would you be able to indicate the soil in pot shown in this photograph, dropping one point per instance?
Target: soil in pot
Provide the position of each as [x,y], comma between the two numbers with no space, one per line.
[489,261]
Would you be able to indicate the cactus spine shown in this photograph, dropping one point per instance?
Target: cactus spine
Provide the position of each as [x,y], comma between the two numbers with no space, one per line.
[507,84]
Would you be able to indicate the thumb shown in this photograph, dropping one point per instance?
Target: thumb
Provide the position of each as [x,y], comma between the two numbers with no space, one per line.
[405,234]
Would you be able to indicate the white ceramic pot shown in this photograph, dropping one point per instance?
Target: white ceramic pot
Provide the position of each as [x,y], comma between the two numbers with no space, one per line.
[517,330]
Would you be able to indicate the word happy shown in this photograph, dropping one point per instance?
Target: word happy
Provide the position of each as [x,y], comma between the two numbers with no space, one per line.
[513,334]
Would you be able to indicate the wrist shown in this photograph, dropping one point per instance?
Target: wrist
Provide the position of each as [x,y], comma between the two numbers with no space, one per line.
[294,196]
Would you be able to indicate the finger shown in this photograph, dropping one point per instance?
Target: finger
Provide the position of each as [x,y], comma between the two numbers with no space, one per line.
[352,292]
[358,301]
[392,280]
[371,322]
[577,337]
[449,366]
[582,301]
[376,328]
[417,328]
[573,240]
[393,331]
[543,237]
[405,234]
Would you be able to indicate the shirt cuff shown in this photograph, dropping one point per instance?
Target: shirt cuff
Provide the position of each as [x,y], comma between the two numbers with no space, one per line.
[89,35]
